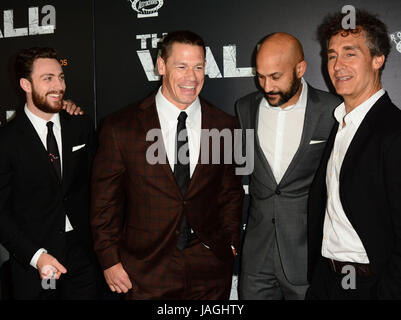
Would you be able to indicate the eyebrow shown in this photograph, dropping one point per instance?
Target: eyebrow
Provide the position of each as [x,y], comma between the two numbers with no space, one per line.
[269,75]
[51,74]
[345,48]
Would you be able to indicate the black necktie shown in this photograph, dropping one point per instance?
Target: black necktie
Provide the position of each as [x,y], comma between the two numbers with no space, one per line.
[52,149]
[182,174]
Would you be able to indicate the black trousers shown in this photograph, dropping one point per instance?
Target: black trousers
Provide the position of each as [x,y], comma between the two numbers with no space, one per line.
[83,280]
[327,284]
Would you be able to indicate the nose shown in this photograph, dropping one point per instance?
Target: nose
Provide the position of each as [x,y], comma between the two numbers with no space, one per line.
[190,74]
[267,85]
[338,64]
[59,84]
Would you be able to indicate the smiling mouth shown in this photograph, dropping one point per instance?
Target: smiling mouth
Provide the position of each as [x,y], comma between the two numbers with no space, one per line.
[56,95]
[187,87]
[345,78]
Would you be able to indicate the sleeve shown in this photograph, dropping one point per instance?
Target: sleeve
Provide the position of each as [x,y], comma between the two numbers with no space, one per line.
[231,199]
[12,237]
[107,197]
[389,285]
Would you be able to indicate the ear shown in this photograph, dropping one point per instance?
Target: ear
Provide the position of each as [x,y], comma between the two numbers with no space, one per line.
[26,85]
[378,61]
[161,66]
[300,69]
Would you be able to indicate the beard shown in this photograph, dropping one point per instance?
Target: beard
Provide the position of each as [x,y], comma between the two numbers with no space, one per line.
[287,95]
[43,105]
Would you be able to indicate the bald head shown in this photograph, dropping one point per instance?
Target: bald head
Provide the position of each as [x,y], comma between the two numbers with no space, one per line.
[280,66]
[284,45]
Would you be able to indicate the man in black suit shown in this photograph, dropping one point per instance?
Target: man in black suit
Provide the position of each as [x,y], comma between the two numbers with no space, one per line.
[45,164]
[354,221]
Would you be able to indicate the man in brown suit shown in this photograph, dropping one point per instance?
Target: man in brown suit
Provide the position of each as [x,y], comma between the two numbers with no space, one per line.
[168,230]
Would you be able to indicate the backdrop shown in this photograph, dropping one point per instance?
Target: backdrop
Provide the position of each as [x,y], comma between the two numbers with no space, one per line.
[108,48]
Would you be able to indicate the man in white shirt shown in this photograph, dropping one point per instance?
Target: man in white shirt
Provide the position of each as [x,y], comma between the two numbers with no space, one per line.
[167,229]
[44,188]
[355,207]
[292,122]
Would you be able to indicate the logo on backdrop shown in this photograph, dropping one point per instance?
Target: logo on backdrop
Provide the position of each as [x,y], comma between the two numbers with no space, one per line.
[229,68]
[396,37]
[46,26]
[146,8]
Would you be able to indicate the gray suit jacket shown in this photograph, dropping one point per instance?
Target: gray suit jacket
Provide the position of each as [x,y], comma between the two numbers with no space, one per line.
[280,210]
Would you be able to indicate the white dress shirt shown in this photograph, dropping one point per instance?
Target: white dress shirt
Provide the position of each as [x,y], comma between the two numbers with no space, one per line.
[168,116]
[41,129]
[280,131]
[340,240]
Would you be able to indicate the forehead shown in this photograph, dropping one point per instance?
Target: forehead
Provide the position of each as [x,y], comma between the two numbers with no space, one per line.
[186,51]
[45,65]
[341,40]
[270,62]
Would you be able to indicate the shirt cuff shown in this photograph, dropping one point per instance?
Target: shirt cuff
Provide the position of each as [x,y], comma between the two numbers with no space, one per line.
[36,256]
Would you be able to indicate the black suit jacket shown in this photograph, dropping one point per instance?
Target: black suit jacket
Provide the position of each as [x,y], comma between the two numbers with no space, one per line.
[33,202]
[370,193]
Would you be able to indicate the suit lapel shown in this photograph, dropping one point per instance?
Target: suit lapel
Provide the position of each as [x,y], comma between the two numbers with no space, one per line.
[327,153]
[207,123]
[313,110]
[34,143]
[254,124]
[66,135]
[150,120]
[362,136]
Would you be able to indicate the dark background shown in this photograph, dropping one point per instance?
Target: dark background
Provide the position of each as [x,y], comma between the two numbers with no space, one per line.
[98,39]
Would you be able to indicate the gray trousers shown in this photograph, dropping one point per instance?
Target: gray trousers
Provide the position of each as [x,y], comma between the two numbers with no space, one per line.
[270,283]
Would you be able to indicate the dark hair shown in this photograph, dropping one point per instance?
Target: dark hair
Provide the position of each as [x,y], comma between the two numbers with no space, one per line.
[378,41]
[181,36]
[25,59]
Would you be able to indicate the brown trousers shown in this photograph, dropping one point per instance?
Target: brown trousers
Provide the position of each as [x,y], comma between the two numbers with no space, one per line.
[194,273]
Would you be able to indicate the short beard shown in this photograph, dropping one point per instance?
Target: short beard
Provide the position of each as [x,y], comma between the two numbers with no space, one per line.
[286,96]
[41,103]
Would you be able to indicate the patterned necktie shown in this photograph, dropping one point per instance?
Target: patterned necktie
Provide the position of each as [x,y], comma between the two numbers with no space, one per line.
[52,149]
[182,174]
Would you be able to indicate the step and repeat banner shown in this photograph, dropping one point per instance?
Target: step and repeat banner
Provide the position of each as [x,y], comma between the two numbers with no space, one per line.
[109,48]
[66,26]
[127,33]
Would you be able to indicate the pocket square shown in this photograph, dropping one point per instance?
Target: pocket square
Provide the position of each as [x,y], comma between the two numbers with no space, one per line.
[77,147]
[316,141]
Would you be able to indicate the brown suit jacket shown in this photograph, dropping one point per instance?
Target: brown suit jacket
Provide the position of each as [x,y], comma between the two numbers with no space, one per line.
[137,208]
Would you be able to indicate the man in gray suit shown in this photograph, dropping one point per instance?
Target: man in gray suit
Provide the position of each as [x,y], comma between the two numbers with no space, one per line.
[291,121]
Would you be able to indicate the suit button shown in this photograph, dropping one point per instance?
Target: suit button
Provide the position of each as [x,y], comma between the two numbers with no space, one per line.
[184,202]
[177,232]
[278,192]
[273,221]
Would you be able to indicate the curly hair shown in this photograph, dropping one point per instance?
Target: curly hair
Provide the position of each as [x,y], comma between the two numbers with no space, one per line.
[378,41]
[25,59]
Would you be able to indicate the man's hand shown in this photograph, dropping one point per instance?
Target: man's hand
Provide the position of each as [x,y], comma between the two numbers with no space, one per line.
[117,279]
[49,267]
[72,108]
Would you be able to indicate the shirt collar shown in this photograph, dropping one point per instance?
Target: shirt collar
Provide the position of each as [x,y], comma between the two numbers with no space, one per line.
[170,112]
[41,123]
[300,104]
[358,113]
